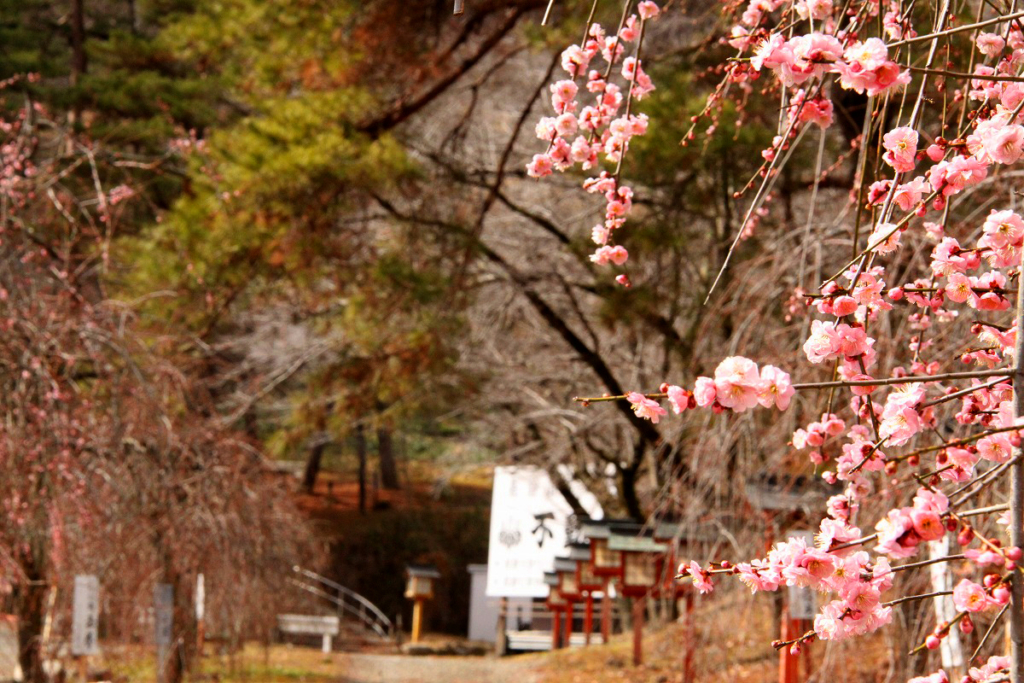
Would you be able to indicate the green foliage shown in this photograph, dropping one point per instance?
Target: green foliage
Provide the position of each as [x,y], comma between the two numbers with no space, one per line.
[270,47]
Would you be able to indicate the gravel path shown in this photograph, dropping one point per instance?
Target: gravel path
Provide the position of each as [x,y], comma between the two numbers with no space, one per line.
[370,668]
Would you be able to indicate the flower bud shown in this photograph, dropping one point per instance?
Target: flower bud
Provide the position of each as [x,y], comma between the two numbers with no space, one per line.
[966,625]
[932,642]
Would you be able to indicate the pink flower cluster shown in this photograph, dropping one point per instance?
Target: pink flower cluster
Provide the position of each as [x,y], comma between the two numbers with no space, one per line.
[817,110]
[829,340]
[926,172]
[996,668]
[1003,239]
[904,529]
[738,385]
[848,574]
[1000,246]
[701,577]
[900,146]
[598,129]
[815,434]
[994,665]
[970,597]
[864,302]
[862,66]
[901,417]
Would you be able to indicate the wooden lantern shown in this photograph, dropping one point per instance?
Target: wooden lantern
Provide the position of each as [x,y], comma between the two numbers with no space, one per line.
[419,587]
[642,560]
[588,583]
[555,598]
[568,582]
[679,540]
[606,561]
[586,579]
[420,582]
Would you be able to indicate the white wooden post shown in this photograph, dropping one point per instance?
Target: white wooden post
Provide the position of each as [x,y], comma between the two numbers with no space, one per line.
[951,649]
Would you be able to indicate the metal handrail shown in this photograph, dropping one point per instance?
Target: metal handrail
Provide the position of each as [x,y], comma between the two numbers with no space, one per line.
[370,623]
[342,590]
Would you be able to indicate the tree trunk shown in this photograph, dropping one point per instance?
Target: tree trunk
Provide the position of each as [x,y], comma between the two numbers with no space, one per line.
[182,648]
[181,654]
[78,59]
[360,438]
[563,487]
[1015,614]
[386,454]
[134,18]
[30,607]
[627,479]
[316,456]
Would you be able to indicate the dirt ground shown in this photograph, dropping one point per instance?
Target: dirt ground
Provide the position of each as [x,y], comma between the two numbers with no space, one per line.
[372,668]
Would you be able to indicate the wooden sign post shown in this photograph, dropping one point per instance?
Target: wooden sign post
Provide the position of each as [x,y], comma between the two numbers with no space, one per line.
[681,541]
[163,609]
[555,602]
[587,582]
[788,500]
[568,586]
[85,622]
[200,614]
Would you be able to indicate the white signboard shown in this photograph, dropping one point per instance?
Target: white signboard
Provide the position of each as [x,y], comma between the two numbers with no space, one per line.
[528,529]
[802,601]
[85,617]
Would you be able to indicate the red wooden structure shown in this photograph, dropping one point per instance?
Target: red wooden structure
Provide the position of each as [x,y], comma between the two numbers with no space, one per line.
[642,561]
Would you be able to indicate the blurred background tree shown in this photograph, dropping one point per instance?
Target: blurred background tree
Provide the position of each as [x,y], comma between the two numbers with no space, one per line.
[330,237]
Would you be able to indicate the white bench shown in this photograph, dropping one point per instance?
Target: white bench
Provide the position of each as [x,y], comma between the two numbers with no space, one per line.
[539,641]
[310,625]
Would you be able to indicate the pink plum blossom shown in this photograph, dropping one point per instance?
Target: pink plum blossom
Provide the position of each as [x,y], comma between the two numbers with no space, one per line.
[644,407]
[970,597]
[776,389]
[900,146]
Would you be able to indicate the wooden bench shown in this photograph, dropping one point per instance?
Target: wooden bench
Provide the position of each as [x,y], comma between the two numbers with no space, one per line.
[310,625]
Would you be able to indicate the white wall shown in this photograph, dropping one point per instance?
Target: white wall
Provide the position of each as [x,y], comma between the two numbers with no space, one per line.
[483,611]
